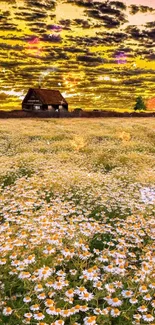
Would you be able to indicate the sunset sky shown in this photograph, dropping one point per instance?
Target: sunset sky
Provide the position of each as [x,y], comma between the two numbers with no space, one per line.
[99,54]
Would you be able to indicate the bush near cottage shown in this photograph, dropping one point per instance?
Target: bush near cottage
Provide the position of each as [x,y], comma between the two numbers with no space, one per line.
[77,227]
[140,105]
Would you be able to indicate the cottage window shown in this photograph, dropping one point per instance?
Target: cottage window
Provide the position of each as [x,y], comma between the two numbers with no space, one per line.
[36,107]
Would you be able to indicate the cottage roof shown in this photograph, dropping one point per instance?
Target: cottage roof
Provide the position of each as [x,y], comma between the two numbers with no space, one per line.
[49,96]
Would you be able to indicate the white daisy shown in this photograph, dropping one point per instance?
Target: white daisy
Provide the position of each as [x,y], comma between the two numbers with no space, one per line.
[27,299]
[39,316]
[142,309]
[148,318]
[115,312]
[7,311]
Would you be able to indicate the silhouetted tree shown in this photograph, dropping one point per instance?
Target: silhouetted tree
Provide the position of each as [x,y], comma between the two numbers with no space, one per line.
[140,105]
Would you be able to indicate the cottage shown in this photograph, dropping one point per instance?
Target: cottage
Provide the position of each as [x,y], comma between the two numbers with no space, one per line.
[44,99]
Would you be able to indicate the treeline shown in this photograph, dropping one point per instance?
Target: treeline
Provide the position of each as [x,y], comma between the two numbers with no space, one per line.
[74,114]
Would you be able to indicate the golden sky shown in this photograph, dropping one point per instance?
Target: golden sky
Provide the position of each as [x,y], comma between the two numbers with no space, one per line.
[99,54]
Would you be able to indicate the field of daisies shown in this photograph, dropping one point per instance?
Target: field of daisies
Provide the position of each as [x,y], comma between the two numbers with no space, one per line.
[77,221]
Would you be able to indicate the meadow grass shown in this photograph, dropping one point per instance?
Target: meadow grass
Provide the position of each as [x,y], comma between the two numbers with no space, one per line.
[77,227]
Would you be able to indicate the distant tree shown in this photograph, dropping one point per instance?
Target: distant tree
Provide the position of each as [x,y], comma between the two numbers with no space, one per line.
[140,105]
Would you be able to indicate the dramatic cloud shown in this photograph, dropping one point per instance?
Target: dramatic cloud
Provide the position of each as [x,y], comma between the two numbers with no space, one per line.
[143,9]
[99,53]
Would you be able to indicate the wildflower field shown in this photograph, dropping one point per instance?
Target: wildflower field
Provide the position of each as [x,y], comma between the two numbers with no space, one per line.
[77,221]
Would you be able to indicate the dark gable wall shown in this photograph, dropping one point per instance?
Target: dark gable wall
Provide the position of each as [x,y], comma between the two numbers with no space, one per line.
[31,100]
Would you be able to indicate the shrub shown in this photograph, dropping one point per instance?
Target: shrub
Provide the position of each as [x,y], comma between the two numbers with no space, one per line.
[140,105]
